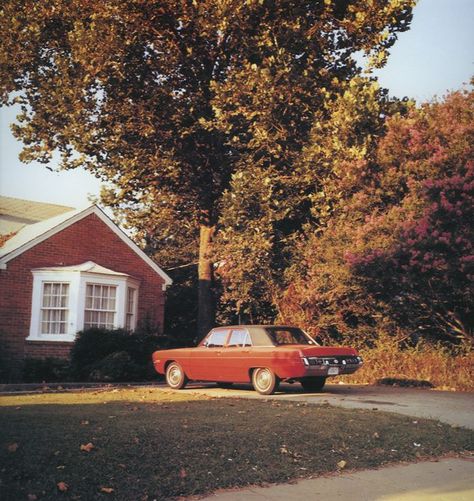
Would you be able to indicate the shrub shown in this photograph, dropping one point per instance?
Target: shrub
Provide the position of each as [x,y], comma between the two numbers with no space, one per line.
[117,366]
[48,370]
[98,353]
[444,368]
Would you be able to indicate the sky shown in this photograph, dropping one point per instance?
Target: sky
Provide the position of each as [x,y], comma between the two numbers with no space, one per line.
[435,56]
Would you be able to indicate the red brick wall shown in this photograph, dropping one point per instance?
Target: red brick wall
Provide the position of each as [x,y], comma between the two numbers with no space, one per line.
[86,240]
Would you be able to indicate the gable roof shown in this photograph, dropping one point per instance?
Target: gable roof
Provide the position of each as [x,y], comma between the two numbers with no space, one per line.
[16,213]
[33,234]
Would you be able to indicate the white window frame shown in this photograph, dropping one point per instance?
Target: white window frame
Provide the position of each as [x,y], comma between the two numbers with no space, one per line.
[78,281]
[134,311]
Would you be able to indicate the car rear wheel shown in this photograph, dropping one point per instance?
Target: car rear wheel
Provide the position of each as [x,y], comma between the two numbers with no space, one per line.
[264,381]
[175,376]
[315,383]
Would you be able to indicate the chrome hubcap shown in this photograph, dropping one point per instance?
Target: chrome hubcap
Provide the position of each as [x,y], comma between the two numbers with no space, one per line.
[263,379]
[174,375]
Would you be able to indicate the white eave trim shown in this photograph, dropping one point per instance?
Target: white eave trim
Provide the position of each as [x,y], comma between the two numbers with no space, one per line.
[76,216]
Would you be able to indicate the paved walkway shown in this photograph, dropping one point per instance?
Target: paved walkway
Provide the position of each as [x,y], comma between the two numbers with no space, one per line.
[445,480]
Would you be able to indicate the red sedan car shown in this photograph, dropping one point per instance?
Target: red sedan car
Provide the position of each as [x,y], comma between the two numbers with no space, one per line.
[261,354]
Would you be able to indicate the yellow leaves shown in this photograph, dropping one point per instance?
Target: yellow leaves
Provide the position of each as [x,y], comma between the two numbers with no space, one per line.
[106,490]
[341,464]
[87,447]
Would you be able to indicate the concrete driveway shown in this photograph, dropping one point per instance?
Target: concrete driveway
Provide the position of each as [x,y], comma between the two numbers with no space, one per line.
[450,407]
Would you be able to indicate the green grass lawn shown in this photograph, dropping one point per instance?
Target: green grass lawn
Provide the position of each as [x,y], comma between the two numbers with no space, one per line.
[157,444]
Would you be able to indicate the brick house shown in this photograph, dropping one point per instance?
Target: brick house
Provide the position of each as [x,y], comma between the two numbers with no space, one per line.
[63,270]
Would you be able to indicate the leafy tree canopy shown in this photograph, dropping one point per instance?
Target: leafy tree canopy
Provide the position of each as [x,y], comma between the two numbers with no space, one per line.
[172,98]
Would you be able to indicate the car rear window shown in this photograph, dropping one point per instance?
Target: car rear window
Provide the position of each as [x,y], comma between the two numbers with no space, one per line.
[291,335]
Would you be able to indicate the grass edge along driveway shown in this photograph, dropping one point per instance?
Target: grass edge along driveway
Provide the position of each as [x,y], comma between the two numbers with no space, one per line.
[149,444]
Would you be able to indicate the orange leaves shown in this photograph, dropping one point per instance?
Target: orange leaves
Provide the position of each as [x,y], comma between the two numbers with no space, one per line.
[62,486]
[87,447]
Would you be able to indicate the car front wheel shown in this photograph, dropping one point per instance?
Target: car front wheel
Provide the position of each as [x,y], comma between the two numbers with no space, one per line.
[264,381]
[313,383]
[175,376]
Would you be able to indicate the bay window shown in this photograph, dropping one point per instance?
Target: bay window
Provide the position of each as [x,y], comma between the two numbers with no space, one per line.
[72,298]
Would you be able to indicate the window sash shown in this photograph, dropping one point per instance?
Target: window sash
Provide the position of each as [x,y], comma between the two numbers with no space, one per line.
[54,308]
[130,308]
[100,306]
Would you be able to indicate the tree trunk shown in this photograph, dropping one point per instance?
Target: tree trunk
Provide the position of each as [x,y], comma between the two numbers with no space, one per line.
[206,300]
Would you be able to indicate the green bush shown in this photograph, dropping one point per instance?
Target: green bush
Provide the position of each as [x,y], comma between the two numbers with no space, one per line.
[97,355]
[117,366]
[48,370]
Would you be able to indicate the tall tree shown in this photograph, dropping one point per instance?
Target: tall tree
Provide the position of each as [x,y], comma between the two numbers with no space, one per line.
[175,96]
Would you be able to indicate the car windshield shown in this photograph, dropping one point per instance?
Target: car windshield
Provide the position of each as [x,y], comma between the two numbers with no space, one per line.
[288,335]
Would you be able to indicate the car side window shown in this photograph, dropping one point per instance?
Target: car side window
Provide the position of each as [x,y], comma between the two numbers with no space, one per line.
[216,339]
[239,338]
[260,337]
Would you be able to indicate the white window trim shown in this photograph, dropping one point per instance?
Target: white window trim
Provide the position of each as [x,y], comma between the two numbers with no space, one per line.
[134,313]
[77,281]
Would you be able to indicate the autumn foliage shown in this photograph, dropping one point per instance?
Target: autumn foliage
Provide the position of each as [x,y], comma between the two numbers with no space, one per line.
[397,257]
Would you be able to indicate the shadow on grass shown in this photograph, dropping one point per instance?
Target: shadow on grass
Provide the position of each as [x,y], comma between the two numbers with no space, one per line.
[168,448]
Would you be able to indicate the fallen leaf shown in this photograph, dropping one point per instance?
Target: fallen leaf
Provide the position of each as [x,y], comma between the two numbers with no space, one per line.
[106,490]
[87,447]
[12,447]
[342,464]
[32,497]
[84,422]
[182,473]
[62,486]
[283,450]
[376,435]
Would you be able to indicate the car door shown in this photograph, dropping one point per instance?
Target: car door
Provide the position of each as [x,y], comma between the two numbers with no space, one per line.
[235,356]
[207,363]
